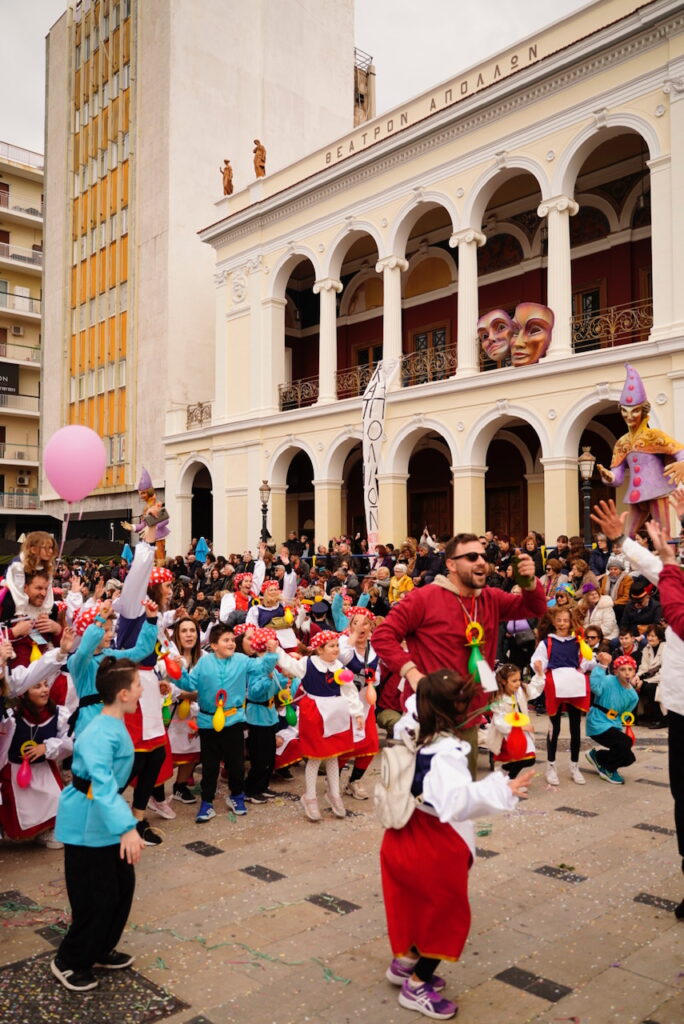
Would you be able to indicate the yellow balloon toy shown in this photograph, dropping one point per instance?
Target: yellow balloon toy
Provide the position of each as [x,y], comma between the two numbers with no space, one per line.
[219,717]
[184,708]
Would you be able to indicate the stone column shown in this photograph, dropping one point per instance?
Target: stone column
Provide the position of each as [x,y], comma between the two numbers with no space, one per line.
[535,501]
[276,518]
[180,523]
[559,272]
[393,507]
[561,496]
[328,509]
[272,366]
[674,254]
[467,241]
[469,499]
[328,289]
[392,268]
[221,375]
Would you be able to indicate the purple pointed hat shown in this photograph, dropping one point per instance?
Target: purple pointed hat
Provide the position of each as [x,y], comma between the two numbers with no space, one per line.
[145,481]
[634,392]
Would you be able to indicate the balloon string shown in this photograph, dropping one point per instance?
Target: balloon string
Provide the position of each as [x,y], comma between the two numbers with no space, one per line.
[65,527]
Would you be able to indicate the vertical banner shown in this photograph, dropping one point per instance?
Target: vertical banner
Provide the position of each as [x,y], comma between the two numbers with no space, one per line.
[374,399]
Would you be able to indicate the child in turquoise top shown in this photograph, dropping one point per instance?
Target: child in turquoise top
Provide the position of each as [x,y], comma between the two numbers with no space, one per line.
[262,718]
[224,672]
[613,697]
[96,638]
[101,842]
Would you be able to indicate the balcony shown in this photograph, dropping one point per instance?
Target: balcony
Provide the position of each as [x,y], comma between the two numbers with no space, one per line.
[616,325]
[23,306]
[428,365]
[26,454]
[20,207]
[298,393]
[10,500]
[19,258]
[17,155]
[23,404]
[198,415]
[352,382]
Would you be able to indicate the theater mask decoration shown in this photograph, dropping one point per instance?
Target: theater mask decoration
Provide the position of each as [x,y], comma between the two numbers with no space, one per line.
[495,330]
[523,339]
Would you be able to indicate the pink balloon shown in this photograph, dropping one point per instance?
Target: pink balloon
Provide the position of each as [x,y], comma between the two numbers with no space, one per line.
[74,461]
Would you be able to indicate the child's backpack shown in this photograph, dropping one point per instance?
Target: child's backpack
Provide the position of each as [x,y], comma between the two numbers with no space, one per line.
[394,801]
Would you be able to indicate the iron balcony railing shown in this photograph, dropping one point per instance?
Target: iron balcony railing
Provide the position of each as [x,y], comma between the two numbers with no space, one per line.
[198,415]
[21,156]
[351,383]
[8,251]
[428,365]
[19,499]
[20,303]
[27,403]
[19,452]
[298,393]
[19,202]
[616,325]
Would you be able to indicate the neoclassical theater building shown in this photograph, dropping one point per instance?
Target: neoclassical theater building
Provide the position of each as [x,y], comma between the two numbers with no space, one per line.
[553,173]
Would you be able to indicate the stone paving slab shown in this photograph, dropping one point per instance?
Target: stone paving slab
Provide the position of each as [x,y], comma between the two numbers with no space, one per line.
[235,942]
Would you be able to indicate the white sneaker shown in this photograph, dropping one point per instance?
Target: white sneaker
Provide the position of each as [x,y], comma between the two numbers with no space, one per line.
[161,807]
[552,775]
[356,790]
[47,839]
[311,809]
[576,774]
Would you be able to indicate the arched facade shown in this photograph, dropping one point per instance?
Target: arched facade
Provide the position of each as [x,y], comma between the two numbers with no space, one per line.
[572,203]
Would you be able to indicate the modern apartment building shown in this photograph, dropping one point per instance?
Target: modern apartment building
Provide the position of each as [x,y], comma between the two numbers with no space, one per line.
[21,288]
[145,100]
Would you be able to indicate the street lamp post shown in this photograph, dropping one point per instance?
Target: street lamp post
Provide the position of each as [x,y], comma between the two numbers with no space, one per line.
[264,495]
[585,464]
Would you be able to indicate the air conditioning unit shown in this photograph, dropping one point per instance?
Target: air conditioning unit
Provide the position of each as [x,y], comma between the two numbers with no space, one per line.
[23,479]
[17,332]
[20,455]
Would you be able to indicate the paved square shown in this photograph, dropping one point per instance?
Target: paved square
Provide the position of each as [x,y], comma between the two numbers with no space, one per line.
[287,924]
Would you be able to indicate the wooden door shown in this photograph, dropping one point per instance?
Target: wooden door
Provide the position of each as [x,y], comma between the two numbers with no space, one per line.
[505,510]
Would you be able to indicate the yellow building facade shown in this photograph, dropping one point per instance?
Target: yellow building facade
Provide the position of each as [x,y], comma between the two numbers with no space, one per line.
[550,174]
[21,293]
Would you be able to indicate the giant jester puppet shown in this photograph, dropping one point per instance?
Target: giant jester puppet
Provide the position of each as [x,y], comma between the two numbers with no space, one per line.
[651,458]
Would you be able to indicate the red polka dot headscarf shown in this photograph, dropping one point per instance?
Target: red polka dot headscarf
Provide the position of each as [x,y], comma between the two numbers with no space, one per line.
[242,628]
[360,610]
[269,585]
[624,659]
[326,636]
[86,618]
[260,637]
[242,576]
[160,575]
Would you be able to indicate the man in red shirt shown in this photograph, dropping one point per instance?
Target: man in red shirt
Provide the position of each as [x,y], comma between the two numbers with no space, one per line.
[433,621]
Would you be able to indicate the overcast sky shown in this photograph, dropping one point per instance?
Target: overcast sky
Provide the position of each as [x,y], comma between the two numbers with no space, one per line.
[414,44]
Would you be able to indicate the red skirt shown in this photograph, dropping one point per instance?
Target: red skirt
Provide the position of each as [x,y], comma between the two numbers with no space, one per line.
[290,755]
[185,759]
[424,869]
[555,704]
[370,744]
[312,742]
[9,822]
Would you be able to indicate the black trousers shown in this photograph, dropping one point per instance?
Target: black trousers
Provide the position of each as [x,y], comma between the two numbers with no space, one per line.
[227,746]
[675,753]
[619,753]
[146,768]
[515,767]
[575,721]
[100,886]
[261,749]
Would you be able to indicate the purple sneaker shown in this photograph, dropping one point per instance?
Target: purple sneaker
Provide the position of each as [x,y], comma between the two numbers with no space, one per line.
[397,973]
[425,1000]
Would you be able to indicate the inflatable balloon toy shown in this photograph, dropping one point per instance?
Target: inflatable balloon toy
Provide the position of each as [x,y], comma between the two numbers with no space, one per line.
[286,699]
[516,741]
[477,666]
[219,717]
[371,692]
[74,461]
[627,719]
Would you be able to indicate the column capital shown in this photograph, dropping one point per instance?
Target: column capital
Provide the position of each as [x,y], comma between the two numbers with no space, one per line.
[327,284]
[391,263]
[468,472]
[466,237]
[392,478]
[565,462]
[561,204]
[274,303]
[329,485]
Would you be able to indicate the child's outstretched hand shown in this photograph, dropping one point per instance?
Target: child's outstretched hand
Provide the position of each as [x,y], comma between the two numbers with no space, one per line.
[151,609]
[272,645]
[359,722]
[6,651]
[131,846]
[604,659]
[67,641]
[518,786]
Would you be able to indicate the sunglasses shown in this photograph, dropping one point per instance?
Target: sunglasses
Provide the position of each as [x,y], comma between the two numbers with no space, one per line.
[470,556]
